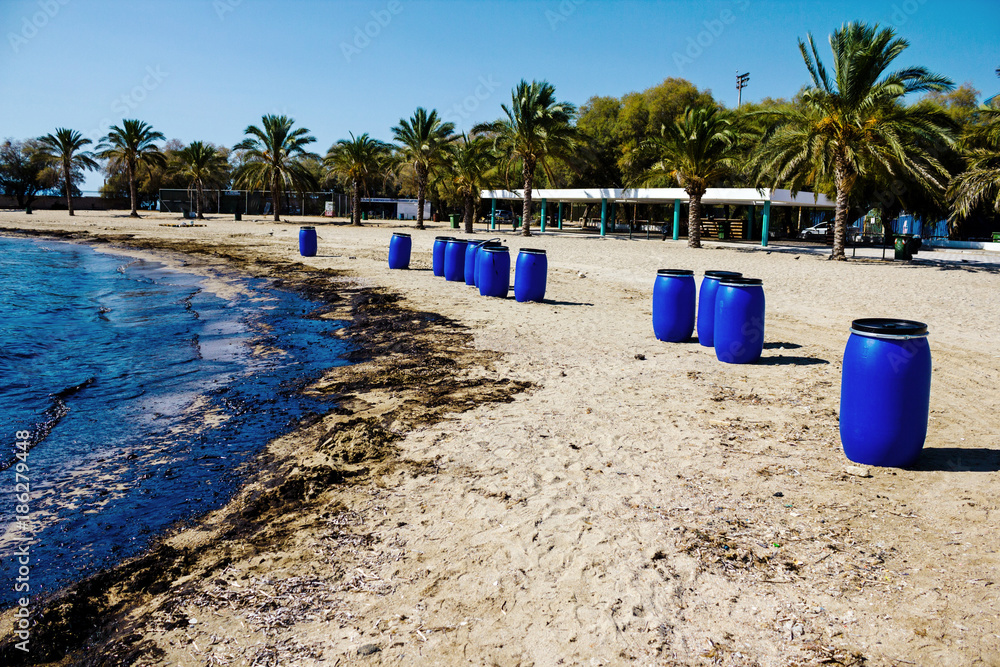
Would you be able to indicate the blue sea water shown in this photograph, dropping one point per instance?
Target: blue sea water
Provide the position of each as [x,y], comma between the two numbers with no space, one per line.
[144,393]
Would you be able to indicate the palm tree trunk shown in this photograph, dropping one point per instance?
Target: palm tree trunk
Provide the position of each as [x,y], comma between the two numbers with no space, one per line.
[275,199]
[840,217]
[421,192]
[69,196]
[201,196]
[528,174]
[694,220]
[356,203]
[467,217]
[131,188]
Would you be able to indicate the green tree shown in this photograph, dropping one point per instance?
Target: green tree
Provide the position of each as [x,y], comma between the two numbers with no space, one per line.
[979,184]
[359,160]
[202,165]
[272,158]
[423,143]
[695,152]
[854,125]
[537,130]
[472,162]
[25,170]
[65,148]
[129,146]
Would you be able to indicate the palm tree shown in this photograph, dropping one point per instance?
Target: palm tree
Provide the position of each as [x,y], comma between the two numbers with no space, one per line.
[536,130]
[854,125]
[65,148]
[204,165]
[696,151]
[128,146]
[423,142]
[359,160]
[471,163]
[273,159]
[979,183]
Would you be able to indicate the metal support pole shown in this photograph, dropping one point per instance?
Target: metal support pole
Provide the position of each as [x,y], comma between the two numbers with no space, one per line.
[544,206]
[677,219]
[493,214]
[559,215]
[765,221]
[604,217]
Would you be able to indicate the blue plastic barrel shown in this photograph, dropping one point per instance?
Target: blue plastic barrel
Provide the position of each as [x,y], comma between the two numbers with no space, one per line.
[399,251]
[673,305]
[885,392]
[706,304]
[739,320]
[492,243]
[307,241]
[470,261]
[437,253]
[454,260]
[494,271]
[530,272]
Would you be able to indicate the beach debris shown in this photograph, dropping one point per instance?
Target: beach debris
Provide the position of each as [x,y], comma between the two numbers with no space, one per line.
[581,275]
[641,357]
[368,649]
[858,471]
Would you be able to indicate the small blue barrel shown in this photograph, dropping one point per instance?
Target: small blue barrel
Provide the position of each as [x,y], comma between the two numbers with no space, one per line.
[530,273]
[706,304]
[492,243]
[739,320]
[307,241]
[437,253]
[470,261]
[399,251]
[454,260]
[673,305]
[885,392]
[494,271]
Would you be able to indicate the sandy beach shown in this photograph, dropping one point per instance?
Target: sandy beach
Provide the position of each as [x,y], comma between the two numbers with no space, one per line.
[547,484]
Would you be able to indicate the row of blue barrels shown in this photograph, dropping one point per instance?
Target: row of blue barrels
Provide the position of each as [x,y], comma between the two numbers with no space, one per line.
[886,377]
[730,314]
[486,265]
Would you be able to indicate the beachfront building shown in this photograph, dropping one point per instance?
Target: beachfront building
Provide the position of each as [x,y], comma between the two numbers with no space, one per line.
[757,207]
[393,209]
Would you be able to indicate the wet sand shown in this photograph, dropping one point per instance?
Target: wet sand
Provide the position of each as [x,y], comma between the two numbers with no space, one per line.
[542,484]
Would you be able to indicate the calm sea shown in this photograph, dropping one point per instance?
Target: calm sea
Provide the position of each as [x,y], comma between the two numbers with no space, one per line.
[143,392]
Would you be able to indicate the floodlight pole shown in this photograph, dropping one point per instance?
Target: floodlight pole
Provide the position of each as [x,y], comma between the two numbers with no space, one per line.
[741,83]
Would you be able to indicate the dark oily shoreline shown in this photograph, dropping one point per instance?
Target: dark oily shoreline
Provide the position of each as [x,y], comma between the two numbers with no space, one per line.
[409,369]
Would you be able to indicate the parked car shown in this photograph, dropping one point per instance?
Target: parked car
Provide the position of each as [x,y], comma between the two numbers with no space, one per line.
[504,217]
[820,231]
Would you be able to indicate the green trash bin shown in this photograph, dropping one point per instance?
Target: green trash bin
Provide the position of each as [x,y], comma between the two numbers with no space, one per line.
[996,237]
[902,246]
[364,215]
[454,220]
[722,229]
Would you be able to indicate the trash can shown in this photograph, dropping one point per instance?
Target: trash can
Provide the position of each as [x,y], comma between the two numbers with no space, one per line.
[706,304]
[307,241]
[885,392]
[673,305]
[399,251]
[530,273]
[901,246]
[453,219]
[238,216]
[494,271]
[739,320]
[722,229]
[454,260]
[364,215]
[437,254]
[996,237]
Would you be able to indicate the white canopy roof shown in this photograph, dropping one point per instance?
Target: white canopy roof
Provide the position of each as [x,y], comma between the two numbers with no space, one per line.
[736,196]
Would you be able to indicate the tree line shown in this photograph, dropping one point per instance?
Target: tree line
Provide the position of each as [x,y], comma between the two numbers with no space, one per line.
[866,132]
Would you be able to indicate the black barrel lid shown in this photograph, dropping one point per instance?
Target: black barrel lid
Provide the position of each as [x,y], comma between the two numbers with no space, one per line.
[444,238]
[674,272]
[458,240]
[493,243]
[495,248]
[889,327]
[307,227]
[722,274]
[400,234]
[532,251]
[740,281]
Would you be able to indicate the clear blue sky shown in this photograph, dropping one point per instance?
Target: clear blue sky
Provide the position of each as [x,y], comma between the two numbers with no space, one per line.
[205,69]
